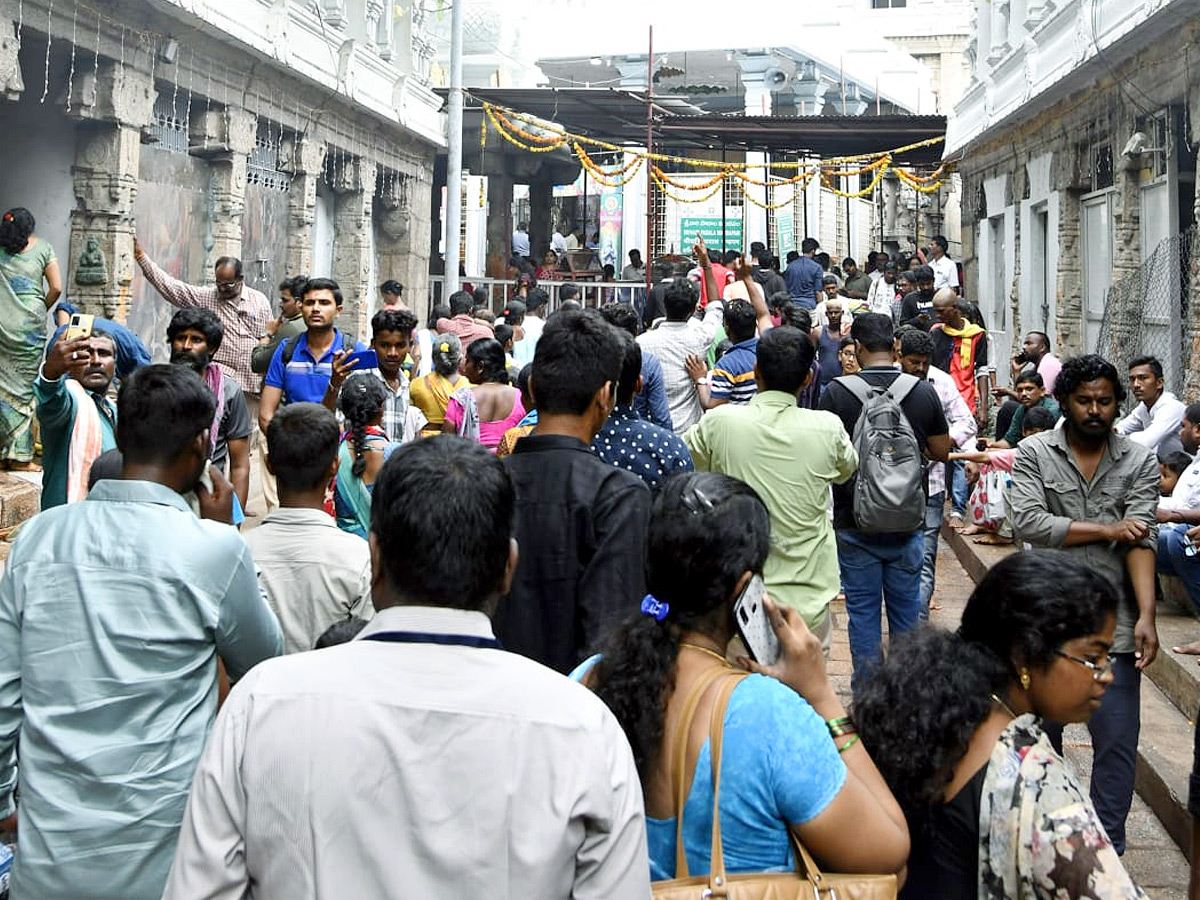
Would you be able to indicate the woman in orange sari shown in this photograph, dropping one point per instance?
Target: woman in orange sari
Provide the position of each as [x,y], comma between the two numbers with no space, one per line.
[431,393]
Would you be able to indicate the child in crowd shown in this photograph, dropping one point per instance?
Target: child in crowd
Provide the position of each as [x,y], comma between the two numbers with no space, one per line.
[1169,470]
[980,463]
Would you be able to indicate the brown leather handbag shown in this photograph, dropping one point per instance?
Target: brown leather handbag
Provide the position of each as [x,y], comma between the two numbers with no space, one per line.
[808,882]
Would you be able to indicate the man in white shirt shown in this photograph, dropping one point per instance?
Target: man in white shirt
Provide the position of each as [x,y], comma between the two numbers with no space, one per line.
[674,340]
[532,325]
[313,573]
[882,295]
[420,759]
[1178,518]
[1155,421]
[945,272]
[558,243]
[636,270]
[915,349]
[520,241]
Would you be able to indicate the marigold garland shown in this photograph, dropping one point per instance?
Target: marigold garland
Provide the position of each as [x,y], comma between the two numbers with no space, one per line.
[663,187]
[505,122]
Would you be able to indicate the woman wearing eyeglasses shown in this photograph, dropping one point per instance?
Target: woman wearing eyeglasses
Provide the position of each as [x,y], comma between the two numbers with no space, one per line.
[954,723]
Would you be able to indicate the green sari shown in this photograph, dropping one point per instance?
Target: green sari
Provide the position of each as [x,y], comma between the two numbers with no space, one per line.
[22,342]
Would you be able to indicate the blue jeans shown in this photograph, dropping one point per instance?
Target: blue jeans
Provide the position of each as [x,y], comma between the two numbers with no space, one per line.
[1114,728]
[935,511]
[958,487]
[1173,561]
[875,569]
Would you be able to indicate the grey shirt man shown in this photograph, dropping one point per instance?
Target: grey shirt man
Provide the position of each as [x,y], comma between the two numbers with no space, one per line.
[1049,492]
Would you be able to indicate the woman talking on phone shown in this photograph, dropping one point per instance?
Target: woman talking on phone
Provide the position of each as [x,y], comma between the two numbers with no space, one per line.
[782,767]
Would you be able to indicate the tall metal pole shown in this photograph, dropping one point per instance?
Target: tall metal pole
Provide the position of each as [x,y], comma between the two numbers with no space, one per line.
[454,150]
[649,150]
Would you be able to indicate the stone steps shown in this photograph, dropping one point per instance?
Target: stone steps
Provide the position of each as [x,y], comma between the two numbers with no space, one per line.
[1170,697]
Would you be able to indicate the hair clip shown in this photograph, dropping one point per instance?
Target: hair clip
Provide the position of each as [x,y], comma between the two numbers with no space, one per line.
[444,347]
[656,608]
[695,501]
[8,217]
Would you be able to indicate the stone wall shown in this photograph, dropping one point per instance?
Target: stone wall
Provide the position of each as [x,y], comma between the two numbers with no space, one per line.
[195,201]
[1101,109]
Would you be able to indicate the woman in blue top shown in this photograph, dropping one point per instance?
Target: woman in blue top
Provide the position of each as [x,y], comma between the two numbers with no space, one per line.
[781,768]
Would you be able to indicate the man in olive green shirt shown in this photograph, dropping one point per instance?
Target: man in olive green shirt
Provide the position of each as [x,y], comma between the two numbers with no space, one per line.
[790,456]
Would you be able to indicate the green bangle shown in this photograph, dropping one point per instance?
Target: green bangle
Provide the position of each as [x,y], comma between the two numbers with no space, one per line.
[850,743]
[840,726]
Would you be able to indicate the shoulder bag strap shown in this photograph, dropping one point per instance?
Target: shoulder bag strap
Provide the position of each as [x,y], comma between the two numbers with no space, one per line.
[856,385]
[716,735]
[902,386]
[806,866]
[676,744]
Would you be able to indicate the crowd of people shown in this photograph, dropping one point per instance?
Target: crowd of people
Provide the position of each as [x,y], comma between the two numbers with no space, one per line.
[493,633]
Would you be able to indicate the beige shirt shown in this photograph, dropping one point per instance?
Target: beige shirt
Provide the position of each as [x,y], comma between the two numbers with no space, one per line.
[413,770]
[314,574]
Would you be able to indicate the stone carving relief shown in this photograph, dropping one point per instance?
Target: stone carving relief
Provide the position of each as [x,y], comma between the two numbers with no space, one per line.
[11,83]
[91,268]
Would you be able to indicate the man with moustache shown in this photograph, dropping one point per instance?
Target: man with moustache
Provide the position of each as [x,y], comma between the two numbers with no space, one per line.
[78,420]
[195,335]
[1092,492]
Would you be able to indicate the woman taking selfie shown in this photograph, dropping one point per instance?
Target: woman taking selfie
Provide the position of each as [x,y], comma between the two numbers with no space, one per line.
[954,722]
[781,766]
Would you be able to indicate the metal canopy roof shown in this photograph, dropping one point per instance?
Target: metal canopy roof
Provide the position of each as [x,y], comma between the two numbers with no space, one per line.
[619,116]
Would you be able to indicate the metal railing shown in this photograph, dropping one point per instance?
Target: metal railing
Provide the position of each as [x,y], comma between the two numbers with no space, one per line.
[592,294]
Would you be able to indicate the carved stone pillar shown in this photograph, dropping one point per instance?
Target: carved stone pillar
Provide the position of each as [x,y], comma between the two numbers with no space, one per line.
[11,83]
[228,160]
[393,232]
[304,161]
[99,267]
[355,189]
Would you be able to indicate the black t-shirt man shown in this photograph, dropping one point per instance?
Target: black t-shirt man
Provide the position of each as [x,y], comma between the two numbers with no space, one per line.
[922,408]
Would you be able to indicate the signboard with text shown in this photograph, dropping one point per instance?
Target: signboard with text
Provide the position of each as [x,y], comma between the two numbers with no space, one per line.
[717,235]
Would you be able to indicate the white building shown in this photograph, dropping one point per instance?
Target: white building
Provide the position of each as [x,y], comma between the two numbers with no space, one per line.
[1076,142]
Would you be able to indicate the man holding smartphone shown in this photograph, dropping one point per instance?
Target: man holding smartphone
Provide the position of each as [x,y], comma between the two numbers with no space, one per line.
[311,367]
[78,421]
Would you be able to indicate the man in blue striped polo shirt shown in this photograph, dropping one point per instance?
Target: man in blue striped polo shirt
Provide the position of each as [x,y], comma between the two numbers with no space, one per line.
[732,379]
[308,368]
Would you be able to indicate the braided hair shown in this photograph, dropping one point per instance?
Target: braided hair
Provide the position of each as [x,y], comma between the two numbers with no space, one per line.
[361,402]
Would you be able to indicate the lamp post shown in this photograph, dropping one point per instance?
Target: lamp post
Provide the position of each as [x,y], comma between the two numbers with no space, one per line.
[454,150]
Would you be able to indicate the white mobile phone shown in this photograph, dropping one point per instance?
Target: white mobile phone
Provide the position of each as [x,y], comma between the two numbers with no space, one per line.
[750,614]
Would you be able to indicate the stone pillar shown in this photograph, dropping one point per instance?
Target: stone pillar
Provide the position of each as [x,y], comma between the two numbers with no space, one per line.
[304,161]
[541,195]
[228,160]
[99,264]
[355,190]
[499,224]
[11,83]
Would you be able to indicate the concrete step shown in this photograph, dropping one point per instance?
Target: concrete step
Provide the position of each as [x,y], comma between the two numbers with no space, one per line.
[1170,699]
[1164,763]
[1177,676]
[20,499]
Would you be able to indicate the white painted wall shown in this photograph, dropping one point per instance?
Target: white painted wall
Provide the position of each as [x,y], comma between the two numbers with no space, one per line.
[323,232]
[1039,259]
[36,156]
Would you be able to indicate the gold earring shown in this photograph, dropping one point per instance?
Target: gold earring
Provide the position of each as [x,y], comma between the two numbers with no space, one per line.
[1024,678]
